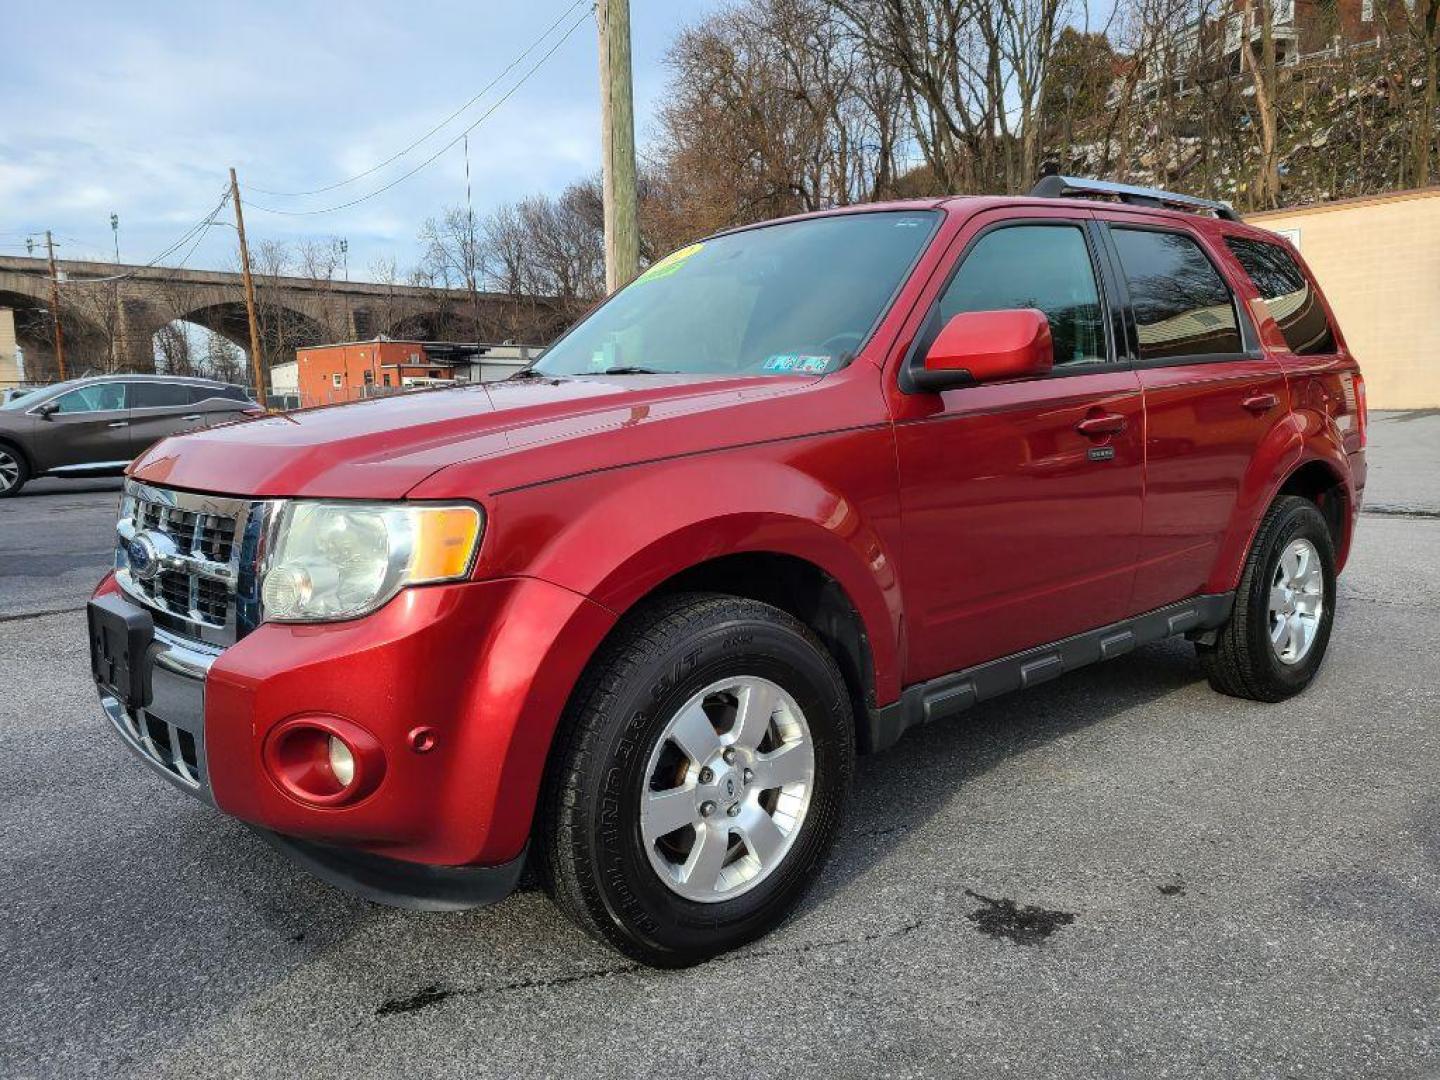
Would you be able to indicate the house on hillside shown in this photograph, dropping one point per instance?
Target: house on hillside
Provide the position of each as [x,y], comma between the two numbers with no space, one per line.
[1209,48]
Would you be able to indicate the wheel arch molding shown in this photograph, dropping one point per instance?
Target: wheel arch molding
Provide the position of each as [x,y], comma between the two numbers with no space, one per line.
[1293,465]
[764,530]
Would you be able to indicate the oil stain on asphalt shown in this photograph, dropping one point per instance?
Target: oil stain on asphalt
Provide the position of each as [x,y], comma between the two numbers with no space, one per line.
[1005,919]
[1173,888]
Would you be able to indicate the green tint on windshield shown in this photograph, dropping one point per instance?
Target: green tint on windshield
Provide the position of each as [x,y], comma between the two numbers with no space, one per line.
[795,298]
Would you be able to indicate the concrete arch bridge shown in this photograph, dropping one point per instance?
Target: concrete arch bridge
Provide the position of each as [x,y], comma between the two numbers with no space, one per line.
[112,325]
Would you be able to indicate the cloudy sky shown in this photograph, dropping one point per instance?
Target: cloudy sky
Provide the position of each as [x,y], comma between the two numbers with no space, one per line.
[140,109]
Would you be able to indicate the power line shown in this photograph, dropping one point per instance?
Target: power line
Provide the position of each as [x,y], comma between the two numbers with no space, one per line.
[195,232]
[435,156]
[399,154]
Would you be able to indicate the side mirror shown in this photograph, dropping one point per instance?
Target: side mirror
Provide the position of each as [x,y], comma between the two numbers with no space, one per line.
[987,346]
[49,409]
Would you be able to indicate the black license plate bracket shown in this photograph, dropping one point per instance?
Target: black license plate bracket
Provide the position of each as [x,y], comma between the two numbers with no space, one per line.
[121,636]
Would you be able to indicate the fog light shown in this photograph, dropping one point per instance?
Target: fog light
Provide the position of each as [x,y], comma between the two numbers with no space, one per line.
[324,760]
[342,762]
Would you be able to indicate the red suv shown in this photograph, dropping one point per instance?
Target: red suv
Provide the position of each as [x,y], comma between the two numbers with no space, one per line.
[797,489]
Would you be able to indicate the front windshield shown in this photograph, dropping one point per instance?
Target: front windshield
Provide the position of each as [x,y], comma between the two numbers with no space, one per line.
[19,399]
[796,298]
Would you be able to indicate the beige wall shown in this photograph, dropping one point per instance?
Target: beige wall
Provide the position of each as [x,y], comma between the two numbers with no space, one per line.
[1378,263]
[9,358]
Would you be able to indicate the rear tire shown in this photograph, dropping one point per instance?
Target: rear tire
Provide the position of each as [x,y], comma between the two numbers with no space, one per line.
[1284,609]
[680,735]
[13,470]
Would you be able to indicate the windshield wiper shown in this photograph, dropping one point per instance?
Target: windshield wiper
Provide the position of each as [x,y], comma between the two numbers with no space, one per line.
[634,370]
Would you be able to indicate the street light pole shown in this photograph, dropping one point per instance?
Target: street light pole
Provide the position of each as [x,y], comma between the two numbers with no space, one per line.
[115,295]
[617,136]
[351,331]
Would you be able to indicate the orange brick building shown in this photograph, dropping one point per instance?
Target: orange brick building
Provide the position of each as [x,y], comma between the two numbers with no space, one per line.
[349,371]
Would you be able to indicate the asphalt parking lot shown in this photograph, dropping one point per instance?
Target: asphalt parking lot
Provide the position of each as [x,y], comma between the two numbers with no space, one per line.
[1118,874]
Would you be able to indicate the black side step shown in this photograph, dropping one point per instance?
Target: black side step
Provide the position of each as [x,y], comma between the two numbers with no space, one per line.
[951,694]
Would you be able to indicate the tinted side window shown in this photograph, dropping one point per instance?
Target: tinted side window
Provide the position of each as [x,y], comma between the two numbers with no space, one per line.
[1292,302]
[212,393]
[1046,267]
[158,395]
[95,398]
[1182,305]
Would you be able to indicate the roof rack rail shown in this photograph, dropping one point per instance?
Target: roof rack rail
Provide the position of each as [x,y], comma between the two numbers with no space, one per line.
[1059,187]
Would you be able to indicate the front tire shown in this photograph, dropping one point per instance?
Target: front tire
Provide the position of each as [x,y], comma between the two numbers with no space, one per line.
[1277,635]
[13,470]
[698,781]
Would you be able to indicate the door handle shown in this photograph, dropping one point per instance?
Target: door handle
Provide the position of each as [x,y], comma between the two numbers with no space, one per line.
[1260,403]
[192,416]
[118,423]
[1104,424]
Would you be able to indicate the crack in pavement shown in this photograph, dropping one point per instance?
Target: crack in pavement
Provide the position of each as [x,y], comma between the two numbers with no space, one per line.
[23,615]
[435,994]
[1348,597]
[1382,510]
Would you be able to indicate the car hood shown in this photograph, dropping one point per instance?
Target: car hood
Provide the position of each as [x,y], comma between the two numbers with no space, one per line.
[529,429]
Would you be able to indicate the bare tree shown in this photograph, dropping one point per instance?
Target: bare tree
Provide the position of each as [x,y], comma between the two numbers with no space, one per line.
[1264,76]
[776,107]
[453,255]
[223,359]
[1422,24]
[172,350]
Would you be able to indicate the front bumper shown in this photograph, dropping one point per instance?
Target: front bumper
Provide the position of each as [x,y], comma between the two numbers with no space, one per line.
[169,732]
[485,666]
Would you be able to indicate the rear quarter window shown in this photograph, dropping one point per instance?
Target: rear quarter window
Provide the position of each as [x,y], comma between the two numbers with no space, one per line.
[148,395]
[1294,304]
[211,393]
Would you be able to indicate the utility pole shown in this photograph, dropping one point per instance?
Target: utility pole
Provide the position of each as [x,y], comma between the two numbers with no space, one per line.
[55,307]
[255,364]
[617,136]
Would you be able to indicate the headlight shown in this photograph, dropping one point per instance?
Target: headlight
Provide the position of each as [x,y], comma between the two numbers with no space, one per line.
[341,560]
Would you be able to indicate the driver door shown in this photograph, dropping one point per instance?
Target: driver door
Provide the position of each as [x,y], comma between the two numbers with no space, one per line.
[90,427]
[1022,514]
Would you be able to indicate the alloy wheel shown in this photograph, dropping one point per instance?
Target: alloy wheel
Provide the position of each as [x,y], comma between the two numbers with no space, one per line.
[1297,601]
[729,782]
[9,470]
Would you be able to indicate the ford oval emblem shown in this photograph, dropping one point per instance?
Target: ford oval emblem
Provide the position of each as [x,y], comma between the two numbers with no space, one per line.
[144,559]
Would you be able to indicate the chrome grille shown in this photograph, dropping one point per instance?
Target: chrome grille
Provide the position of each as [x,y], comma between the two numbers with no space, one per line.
[210,534]
[199,557]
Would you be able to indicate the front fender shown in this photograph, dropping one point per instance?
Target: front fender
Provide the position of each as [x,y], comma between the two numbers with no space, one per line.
[617,535]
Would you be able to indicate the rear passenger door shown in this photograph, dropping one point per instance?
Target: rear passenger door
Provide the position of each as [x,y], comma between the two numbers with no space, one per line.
[158,409]
[219,404]
[1211,398]
[1325,387]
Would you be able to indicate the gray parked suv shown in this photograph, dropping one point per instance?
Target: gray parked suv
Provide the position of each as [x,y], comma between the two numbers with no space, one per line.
[85,427]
